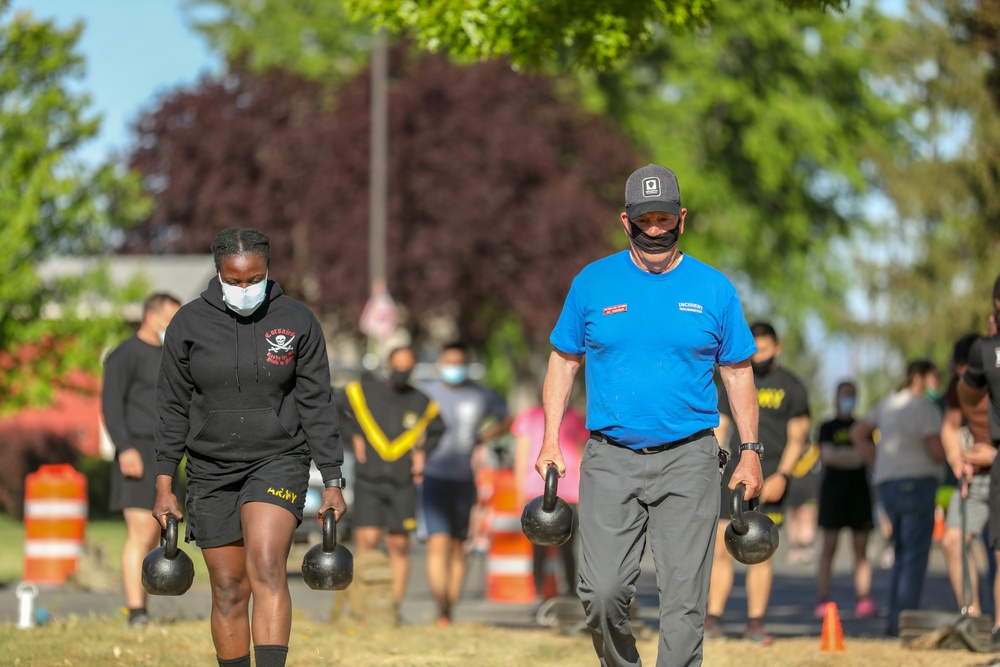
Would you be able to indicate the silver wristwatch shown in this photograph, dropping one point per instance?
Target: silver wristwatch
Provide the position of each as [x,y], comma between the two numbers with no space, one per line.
[335,483]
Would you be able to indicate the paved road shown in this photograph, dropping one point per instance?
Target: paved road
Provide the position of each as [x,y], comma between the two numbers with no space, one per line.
[790,612]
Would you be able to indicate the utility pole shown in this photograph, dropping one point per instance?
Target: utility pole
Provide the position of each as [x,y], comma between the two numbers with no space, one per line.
[379,163]
[378,320]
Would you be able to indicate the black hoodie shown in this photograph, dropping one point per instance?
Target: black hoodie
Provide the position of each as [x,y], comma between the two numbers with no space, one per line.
[235,390]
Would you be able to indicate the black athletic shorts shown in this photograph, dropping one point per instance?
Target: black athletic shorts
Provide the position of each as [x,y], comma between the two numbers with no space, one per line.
[804,490]
[384,504]
[773,510]
[134,492]
[216,490]
[845,500]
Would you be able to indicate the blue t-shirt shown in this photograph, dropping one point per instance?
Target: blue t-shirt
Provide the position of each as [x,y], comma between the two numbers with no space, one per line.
[651,343]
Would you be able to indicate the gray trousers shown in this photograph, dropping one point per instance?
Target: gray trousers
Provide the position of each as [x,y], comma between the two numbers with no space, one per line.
[675,494]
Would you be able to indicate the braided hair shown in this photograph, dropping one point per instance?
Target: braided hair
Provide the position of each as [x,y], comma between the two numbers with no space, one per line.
[240,241]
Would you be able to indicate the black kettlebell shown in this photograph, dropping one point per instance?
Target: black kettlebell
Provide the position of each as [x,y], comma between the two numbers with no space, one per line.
[328,566]
[548,520]
[751,537]
[167,570]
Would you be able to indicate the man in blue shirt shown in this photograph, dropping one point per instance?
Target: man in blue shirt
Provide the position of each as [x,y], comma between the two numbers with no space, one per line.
[652,323]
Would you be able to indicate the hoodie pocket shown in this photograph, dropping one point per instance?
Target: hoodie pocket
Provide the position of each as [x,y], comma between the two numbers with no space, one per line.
[242,434]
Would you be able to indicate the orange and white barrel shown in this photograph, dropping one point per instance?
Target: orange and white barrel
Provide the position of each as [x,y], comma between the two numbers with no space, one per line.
[509,563]
[55,519]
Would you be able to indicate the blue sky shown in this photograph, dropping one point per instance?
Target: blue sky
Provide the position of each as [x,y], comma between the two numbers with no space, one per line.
[135,51]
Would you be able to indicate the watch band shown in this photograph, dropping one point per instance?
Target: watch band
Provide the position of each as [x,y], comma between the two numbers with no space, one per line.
[335,483]
[754,447]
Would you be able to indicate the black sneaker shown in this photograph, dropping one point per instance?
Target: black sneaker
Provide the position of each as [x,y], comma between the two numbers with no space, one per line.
[139,620]
[713,628]
[756,634]
[995,636]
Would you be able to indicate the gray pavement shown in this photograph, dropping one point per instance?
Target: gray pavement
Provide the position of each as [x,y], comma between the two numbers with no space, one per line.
[790,612]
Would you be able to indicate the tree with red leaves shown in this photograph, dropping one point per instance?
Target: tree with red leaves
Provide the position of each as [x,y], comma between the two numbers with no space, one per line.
[501,187]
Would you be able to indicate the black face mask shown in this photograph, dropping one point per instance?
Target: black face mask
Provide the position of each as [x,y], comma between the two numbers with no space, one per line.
[399,379]
[762,367]
[655,244]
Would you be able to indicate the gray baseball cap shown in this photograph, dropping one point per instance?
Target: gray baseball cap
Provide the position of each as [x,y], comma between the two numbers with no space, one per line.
[652,188]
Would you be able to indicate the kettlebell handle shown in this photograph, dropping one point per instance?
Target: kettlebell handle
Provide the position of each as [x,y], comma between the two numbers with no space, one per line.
[551,489]
[329,531]
[736,509]
[170,538]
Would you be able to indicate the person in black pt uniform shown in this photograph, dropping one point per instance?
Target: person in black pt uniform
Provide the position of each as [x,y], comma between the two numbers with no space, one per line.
[784,428]
[393,425]
[845,501]
[982,378]
[244,392]
[128,405]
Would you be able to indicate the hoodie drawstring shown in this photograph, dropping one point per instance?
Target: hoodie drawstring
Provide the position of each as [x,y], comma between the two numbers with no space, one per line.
[236,332]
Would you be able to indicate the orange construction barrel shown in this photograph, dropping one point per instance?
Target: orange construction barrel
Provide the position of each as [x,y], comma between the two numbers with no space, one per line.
[509,563]
[55,517]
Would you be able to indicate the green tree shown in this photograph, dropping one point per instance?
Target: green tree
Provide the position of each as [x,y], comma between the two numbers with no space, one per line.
[50,204]
[770,121]
[590,33]
[929,273]
[313,38]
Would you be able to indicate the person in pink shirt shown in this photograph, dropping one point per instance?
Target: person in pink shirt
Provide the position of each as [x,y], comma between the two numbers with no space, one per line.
[528,428]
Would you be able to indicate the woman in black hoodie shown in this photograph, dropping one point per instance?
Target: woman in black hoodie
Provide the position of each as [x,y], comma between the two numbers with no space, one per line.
[244,392]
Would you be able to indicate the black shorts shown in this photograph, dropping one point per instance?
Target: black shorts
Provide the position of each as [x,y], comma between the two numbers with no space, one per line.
[804,490]
[384,504]
[774,510]
[217,490]
[845,500]
[132,492]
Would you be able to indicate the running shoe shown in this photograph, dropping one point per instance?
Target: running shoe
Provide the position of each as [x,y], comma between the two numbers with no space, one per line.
[756,634]
[865,608]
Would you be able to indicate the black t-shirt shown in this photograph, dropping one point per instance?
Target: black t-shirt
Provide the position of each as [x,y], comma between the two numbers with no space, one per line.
[128,398]
[984,371]
[780,398]
[395,413]
[837,432]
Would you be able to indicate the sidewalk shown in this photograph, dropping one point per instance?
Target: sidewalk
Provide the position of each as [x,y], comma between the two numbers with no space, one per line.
[790,612]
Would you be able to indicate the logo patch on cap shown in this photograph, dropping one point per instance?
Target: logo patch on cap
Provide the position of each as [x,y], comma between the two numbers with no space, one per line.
[651,187]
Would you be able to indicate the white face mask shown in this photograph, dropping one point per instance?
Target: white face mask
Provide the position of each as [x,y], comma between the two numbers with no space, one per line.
[244,300]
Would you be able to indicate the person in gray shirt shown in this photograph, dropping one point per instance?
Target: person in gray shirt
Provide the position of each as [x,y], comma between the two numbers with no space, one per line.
[472,415]
[907,470]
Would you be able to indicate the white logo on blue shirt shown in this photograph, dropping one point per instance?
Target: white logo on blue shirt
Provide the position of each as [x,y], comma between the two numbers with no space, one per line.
[696,308]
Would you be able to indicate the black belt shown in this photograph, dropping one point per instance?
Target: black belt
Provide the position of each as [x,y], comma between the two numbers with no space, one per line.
[703,433]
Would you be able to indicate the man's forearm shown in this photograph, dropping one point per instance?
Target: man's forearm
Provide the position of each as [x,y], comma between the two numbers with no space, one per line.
[556,392]
[742,399]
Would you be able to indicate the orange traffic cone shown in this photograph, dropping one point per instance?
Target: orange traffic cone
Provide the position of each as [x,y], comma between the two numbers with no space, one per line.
[939,524]
[832,639]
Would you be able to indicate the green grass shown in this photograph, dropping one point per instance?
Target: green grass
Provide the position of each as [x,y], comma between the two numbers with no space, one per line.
[94,642]
[109,533]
